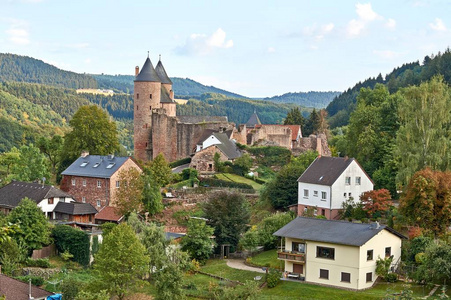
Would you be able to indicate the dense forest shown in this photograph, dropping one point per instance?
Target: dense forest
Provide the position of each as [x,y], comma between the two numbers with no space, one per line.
[26,69]
[309,99]
[408,74]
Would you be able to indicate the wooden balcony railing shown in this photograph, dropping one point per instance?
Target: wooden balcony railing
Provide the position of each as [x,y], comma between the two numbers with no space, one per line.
[288,255]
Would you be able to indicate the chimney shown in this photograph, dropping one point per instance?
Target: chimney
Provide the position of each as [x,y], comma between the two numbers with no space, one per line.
[346,157]
[84,153]
[136,71]
[110,156]
[171,94]
[319,147]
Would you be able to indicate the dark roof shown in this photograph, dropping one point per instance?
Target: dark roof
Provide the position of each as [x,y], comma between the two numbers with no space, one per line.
[11,194]
[161,72]
[108,213]
[205,134]
[325,170]
[148,73]
[164,96]
[330,231]
[227,146]
[75,208]
[253,120]
[202,119]
[96,166]
[14,289]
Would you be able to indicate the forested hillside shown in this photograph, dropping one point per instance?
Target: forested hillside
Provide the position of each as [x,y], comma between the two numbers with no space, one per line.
[408,74]
[309,99]
[183,87]
[26,69]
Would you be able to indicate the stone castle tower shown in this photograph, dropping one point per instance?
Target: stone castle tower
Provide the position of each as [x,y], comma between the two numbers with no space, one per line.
[152,92]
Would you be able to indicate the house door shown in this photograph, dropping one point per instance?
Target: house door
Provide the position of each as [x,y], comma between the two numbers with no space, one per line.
[299,269]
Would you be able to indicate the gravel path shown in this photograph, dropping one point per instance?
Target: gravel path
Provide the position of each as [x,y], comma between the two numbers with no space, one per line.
[239,264]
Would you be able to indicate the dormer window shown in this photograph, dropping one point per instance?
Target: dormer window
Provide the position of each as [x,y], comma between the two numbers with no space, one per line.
[96,165]
[84,164]
[110,165]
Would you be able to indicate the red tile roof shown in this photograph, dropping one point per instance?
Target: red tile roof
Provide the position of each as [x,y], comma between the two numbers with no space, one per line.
[108,213]
[14,289]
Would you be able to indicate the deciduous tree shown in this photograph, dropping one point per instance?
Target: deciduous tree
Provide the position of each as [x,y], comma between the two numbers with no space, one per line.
[129,194]
[376,201]
[161,171]
[198,242]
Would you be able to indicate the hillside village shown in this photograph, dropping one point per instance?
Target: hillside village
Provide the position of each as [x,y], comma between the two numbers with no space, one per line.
[198,207]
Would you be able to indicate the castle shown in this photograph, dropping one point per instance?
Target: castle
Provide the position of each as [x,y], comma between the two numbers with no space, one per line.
[157,128]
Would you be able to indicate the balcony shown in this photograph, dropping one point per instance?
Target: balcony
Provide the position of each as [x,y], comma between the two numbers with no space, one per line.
[291,255]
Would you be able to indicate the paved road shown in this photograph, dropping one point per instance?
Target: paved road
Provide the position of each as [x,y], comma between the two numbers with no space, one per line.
[179,169]
[239,264]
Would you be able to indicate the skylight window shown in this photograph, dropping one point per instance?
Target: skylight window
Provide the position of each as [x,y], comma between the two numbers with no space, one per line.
[96,165]
[110,165]
[83,164]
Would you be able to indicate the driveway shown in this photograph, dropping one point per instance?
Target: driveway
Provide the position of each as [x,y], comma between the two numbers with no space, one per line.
[179,169]
[239,264]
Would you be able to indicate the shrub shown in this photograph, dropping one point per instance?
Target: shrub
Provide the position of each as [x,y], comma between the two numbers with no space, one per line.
[70,287]
[391,277]
[180,162]
[74,241]
[224,183]
[40,263]
[35,280]
[273,278]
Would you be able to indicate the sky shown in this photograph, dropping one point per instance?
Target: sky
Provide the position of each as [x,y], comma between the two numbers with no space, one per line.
[253,48]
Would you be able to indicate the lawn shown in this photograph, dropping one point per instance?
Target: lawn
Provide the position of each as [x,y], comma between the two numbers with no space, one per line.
[267,259]
[219,267]
[237,178]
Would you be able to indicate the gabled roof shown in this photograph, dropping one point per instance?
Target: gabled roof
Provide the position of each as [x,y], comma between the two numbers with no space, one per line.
[325,170]
[95,166]
[11,194]
[205,134]
[75,208]
[253,120]
[331,231]
[162,73]
[227,146]
[14,289]
[108,213]
[148,73]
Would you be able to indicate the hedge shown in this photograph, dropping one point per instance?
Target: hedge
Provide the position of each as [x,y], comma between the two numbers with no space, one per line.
[224,183]
[73,240]
[180,162]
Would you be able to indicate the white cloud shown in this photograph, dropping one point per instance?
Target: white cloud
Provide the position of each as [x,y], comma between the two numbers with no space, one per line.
[18,32]
[391,24]
[366,12]
[366,15]
[438,25]
[201,44]
[318,32]
[271,50]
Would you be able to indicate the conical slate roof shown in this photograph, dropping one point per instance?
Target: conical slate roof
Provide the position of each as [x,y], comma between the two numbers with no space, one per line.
[162,73]
[253,120]
[148,73]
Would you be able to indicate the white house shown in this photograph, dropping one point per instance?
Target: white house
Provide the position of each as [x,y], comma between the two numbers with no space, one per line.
[328,182]
[336,253]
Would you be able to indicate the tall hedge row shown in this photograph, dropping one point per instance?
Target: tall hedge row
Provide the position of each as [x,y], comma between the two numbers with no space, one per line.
[73,240]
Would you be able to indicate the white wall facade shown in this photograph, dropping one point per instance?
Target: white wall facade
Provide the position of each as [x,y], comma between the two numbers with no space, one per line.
[211,140]
[48,208]
[311,199]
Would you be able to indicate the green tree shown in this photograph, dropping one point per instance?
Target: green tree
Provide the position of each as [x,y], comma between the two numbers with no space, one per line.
[294,117]
[424,135]
[9,159]
[121,261]
[436,266]
[129,194]
[161,171]
[92,131]
[228,213]
[427,201]
[198,242]
[312,124]
[34,228]
[31,165]
[88,295]
[217,161]
[243,164]
[283,189]
[151,195]
[169,283]
[51,148]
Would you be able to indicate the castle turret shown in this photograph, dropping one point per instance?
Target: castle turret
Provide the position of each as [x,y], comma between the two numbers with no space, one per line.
[147,96]
[167,94]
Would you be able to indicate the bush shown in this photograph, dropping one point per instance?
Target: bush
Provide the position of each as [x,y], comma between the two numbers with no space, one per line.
[273,278]
[180,162]
[70,287]
[73,240]
[391,277]
[35,280]
[224,183]
[40,263]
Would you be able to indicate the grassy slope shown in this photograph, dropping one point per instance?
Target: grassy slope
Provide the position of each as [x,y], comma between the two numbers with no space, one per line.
[237,178]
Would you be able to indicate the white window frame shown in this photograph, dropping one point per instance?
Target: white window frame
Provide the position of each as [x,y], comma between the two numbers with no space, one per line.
[83,199]
[98,203]
[73,181]
[118,184]
[315,193]
[347,180]
[358,180]
[99,183]
[84,182]
[305,193]
[323,195]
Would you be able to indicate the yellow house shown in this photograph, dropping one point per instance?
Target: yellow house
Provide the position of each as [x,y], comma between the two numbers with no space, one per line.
[336,253]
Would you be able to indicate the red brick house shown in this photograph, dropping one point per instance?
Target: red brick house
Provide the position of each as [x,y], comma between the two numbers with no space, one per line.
[94,179]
